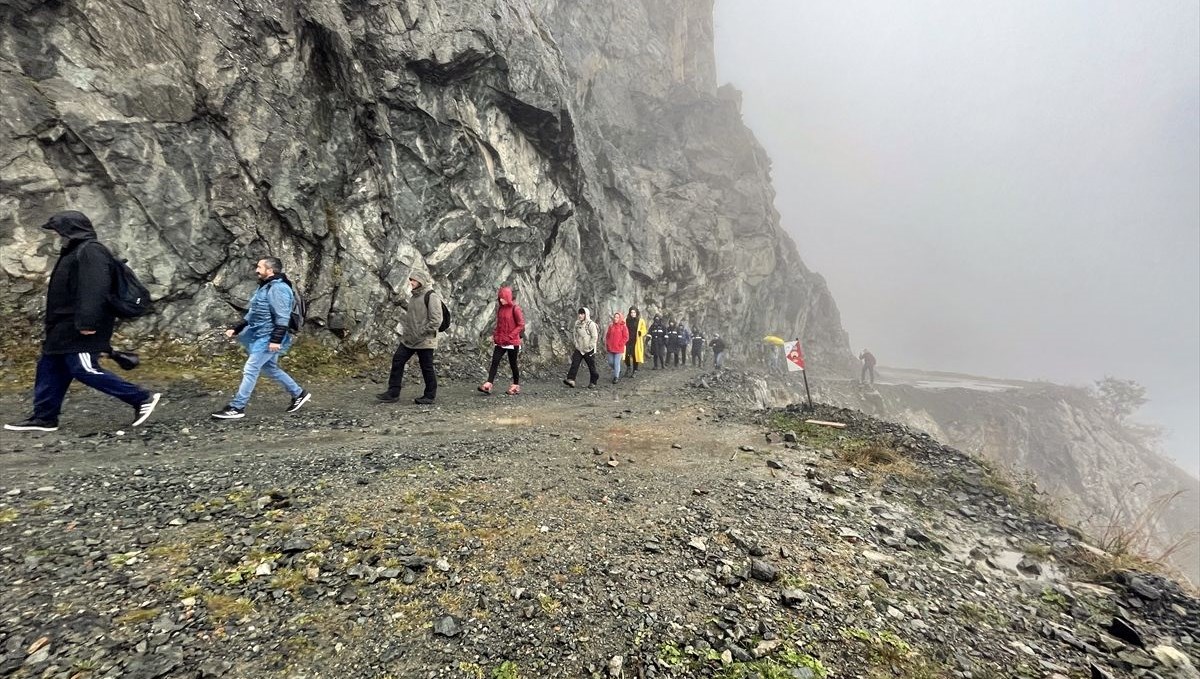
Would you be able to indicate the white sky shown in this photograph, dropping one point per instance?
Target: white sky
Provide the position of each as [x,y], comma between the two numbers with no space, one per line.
[1007,188]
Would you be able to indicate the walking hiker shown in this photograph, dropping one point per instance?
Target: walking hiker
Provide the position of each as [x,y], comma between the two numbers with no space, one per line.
[585,337]
[423,320]
[510,323]
[635,347]
[264,332]
[616,343]
[698,342]
[78,328]
[658,343]
[868,366]
[685,340]
[718,347]
[672,341]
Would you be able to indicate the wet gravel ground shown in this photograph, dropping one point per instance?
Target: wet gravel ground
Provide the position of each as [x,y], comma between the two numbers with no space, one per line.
[652,529]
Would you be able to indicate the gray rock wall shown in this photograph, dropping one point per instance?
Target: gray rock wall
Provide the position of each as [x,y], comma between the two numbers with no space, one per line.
[578,149]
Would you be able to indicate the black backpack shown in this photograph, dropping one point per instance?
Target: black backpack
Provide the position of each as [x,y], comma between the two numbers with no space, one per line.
[445,312]
[128,297]
[299,309]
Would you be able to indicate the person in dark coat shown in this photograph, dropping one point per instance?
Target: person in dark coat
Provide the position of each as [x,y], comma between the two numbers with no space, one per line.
[698,343]
[658,342]
[672,342]
[719,348]
[78,328]
[868,367]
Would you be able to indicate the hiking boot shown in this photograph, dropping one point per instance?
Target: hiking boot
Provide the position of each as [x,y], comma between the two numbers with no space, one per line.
[229,413]
[423,401]
[33,424]
[142,412]
[569,383]
[299,401]
[389,396]
[486,387]
[514,390]
[591,385]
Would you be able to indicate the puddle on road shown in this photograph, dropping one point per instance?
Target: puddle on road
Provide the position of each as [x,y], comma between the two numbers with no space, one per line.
[512,421]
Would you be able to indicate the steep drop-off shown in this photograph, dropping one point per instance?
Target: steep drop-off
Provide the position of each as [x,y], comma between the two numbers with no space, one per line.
[579,150]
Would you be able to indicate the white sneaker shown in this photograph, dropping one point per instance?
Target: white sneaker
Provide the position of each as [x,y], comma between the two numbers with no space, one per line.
[144,410]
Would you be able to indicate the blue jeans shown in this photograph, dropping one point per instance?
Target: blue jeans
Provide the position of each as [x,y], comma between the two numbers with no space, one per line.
[614,360]
[264,362]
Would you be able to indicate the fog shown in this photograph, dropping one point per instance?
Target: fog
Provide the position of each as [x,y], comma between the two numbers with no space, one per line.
[1002,188]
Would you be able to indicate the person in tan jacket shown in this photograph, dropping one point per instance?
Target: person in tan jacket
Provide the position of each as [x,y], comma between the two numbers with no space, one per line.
[422,319]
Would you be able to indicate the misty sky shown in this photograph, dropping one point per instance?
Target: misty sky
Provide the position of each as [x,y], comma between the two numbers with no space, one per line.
[1007,188]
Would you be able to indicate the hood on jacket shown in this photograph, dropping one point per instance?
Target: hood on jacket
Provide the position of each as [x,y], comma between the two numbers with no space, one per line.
[587,313]
[71,225]
[505,295]
[421,277]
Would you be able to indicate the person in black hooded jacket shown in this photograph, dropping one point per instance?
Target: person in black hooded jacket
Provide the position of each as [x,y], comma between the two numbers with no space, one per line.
[79,328]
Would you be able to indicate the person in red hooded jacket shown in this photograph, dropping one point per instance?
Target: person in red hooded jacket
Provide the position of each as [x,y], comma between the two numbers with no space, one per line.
[510,323]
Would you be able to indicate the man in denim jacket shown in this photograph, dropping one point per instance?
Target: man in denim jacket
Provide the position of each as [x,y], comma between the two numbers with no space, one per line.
[264,334]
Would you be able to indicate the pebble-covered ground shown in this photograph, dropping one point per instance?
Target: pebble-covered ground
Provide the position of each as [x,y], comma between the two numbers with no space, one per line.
[659,528]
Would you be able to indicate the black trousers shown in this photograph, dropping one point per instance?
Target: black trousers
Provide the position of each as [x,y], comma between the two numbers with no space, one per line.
[697,356]
[673,357]
[683,355]
[428,374]
[629,348]
[660,355]
[498,353]
[590,359]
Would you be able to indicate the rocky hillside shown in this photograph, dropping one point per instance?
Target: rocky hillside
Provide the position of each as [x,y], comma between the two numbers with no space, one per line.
[578,149]
[649,530]
[1107,475]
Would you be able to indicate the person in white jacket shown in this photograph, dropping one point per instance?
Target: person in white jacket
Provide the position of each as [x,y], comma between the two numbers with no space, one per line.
[586,336]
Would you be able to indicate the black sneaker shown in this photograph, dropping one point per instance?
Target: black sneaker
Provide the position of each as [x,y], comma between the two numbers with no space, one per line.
[614,380]
[299,401]
[33,424]
[142,412]
[591,385]
[423,401]
[569,383]
[388,396]
[229,413]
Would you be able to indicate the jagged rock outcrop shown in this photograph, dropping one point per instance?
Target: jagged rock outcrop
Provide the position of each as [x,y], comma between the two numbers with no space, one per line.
[578,149]
[1107,474]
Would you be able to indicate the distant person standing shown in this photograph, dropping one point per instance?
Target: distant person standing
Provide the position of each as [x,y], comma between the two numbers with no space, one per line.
[718,348]
[698,343]
[510,323]
[868,367]
[616,343]
[78,328]
[264,334]
[672,342]
[685,341]
[585,337]
[658,343]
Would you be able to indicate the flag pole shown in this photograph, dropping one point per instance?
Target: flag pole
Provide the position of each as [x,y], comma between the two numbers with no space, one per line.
[806,391]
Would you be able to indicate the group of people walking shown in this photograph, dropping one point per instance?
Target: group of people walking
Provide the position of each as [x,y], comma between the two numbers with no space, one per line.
[80,321]
[625,343]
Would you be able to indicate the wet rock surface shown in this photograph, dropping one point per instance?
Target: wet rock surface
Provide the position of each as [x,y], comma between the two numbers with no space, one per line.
[579,150]
[484,534]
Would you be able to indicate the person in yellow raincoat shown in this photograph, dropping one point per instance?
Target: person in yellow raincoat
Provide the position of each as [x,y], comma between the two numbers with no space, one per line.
[635,349]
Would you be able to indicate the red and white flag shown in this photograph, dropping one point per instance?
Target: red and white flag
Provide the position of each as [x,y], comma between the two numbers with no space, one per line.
[795,356]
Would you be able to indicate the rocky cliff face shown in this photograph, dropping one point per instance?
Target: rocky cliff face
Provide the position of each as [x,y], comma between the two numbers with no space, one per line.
[577,149]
